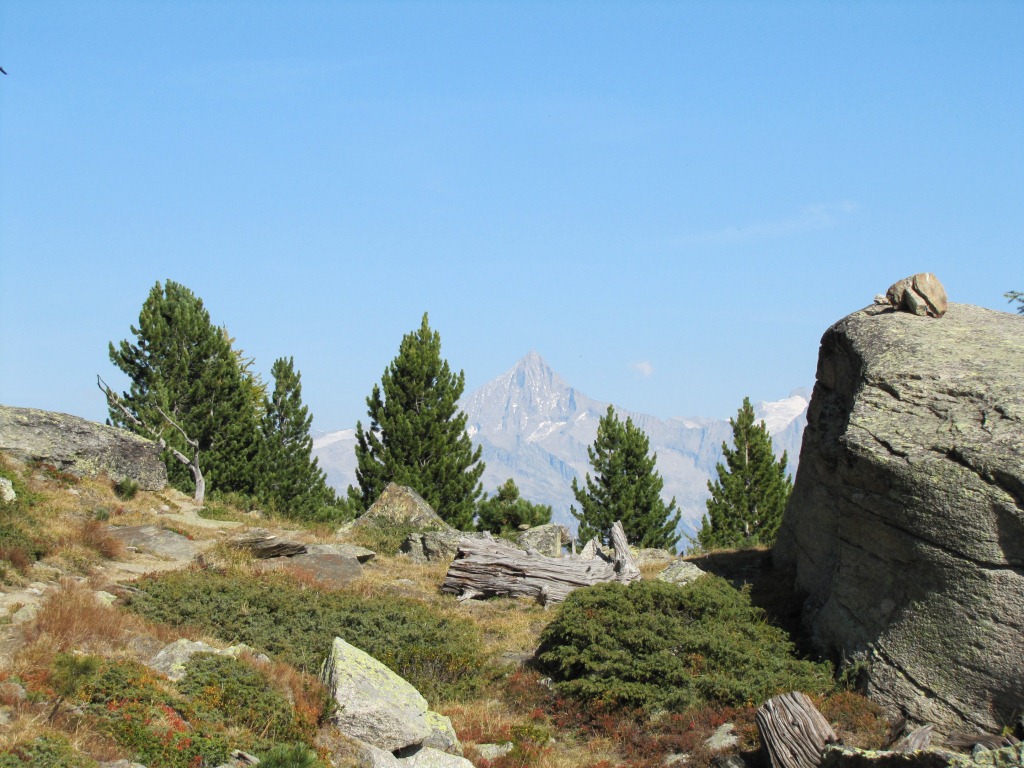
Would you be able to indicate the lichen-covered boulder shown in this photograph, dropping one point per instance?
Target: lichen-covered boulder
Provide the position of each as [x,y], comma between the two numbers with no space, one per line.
[401,506]
[905,528]
[680,572]
[81,447]
[546,539]
[375,705]
[442,734]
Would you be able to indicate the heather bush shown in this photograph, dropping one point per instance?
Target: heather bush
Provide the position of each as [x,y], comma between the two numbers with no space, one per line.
[658,646]
[440,655]
[46,751]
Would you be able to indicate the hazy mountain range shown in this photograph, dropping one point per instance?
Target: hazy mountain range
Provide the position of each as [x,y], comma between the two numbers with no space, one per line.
[535,427]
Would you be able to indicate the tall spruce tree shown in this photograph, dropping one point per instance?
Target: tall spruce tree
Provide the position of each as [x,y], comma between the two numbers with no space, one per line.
[508,511]
[417,436]
[184,365]
[625,487]
[750,494]
[290,477]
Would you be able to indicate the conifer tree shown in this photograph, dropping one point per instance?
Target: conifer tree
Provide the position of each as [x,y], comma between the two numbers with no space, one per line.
[1016,296]
[417,435]
[290,477]
[183,364]
[750,494]
[625,487]
[508,511]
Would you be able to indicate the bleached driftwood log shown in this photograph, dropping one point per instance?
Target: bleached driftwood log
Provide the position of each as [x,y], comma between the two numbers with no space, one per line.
[794,731]
[490,568]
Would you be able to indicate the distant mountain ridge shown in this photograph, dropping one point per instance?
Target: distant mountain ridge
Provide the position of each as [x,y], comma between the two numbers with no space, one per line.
[535,427]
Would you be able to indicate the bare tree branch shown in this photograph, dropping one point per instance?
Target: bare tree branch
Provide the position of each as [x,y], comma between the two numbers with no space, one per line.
[192,464]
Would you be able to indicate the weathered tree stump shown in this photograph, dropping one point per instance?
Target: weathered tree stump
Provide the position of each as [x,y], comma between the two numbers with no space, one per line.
[793,731]
[490,568]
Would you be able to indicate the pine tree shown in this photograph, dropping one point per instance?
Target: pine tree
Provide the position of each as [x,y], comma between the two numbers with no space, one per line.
[183,364]
[417,436]
[507,511]
[290,478]
[750,494]
[625,487]
[1016,296]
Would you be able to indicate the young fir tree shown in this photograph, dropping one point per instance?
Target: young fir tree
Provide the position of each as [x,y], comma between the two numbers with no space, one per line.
[184,365]
[417,436]
[750,494]
[507,511]
[625,487]
[290,477]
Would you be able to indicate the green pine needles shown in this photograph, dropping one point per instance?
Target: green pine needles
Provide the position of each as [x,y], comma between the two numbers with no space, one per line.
[1018,297]
[750,494]
[625,487]
[507,511]
[417,435]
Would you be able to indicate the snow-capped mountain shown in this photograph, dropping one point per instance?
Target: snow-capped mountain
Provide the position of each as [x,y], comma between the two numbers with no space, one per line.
[535,427]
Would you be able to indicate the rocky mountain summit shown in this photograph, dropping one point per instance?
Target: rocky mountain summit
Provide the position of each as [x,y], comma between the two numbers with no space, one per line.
[535,427]
[905,529]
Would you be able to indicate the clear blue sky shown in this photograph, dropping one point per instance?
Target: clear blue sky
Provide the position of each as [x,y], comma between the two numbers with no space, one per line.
[670,202]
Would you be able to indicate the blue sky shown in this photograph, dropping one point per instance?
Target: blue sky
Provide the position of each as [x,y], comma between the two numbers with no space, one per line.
[670,202]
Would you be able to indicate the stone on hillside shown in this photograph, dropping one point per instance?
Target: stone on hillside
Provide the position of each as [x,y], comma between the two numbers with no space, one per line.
[81,447]
[434,546]
[374,704]
[681,572]
[442,734]
[157,541]
[330,569]
[590,550]
[264,545]
[546,539]
[846,757]
[905,528]
[7,490]
[921,294]
[494,751]
[435,758]
[171,660]
[402,507]
[362,554]
[722,739]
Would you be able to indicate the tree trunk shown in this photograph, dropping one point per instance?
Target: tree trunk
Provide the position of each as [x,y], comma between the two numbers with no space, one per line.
[793,731]
[490,568]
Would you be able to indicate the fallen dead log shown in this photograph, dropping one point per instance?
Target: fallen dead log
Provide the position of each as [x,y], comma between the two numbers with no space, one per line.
[794,731]
[491,568]
[263,545]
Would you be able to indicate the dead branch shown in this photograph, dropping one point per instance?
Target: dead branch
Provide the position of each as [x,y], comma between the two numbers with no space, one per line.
[192,464]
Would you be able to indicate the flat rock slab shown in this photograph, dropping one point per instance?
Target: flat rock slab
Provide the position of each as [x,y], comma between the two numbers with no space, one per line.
[157,541]
[332,570]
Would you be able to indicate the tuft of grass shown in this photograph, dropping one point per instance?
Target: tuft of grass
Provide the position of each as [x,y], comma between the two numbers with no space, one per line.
[126,489]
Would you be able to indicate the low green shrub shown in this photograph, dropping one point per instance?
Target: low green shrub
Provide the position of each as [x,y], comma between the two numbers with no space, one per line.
[441,656]
[657,646]
[227,690]
[46,751]
[296,755]
[125,489]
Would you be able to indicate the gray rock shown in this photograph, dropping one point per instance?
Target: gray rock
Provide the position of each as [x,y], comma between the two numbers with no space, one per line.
[546,539]
[905,528]
[434,546]
[921,294]
[723,738]
[7,493]
[435,758]
[402,506]
[12,693]
[590,550]
[332,570]
[172,658]
[374,704]
[81,447]
[442,734]
[680,572]
[728,761]
[157,541]
[362,554]
[846,757]
[648,556]
[494,751]
[25,614]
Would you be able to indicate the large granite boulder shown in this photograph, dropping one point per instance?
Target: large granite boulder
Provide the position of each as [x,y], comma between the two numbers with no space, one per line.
[905,529]
[401,506]
[81,447]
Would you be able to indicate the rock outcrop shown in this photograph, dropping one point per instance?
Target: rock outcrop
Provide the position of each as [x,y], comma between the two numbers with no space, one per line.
[81,447]
[905,529]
